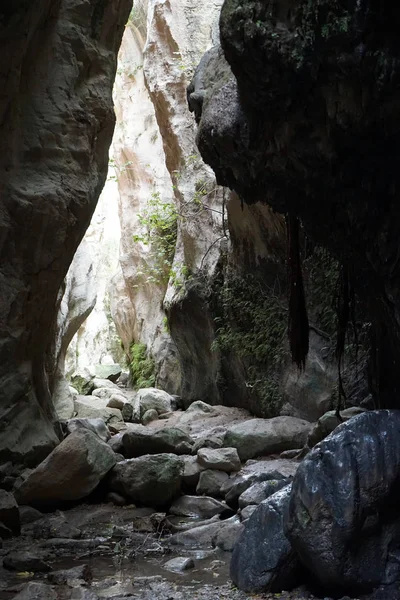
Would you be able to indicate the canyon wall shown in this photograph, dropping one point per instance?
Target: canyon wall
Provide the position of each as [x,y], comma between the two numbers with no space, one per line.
[57,69]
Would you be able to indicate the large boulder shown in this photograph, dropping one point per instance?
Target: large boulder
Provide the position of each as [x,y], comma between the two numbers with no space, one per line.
[70,472]
[152,480]
[221,459]
[110,372]
[91,407]
[139,440]
[152,398]
[259,437]
[263,559]
[97,426]
[255,472]
[343,517]
[211,482]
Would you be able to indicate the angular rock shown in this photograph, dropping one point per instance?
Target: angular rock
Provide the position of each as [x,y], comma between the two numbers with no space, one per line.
[26,561]
[83,382]
[110,372]
[28,515]
[211,482]
[343,519]
[70,472]
[328,422]
[152,398]
[260,437]
[222,459]
[96,426]
[200,407]
[105,393]
[202,536]
[210,439]
[246,513]
[116,443]
[200,507]
[81,573]
[258,492]
[254,472]
[54,527]
[9,513]
[192,470]
[149,416]
[263,559]
[35,590]
[90,407]
[117,401]
[139,440]
[179,564]
[150,480]
[104,383]
[227,538]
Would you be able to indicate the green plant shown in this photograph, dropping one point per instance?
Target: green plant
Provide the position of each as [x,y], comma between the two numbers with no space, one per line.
[142,369]
[159,223]
[251,321]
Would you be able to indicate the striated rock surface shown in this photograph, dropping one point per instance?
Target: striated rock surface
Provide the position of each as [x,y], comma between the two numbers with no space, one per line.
[57,69]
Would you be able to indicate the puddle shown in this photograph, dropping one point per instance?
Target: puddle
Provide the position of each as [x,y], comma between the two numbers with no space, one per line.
[134,575]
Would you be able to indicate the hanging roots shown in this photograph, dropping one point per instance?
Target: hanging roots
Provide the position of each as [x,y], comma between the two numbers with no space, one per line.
[298,319]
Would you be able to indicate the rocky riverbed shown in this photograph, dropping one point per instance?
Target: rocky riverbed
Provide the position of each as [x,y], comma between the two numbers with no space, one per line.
[100,551]
[149,501]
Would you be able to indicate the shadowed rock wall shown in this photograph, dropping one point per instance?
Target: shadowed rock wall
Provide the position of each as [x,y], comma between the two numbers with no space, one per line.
[309,124]
[56,70]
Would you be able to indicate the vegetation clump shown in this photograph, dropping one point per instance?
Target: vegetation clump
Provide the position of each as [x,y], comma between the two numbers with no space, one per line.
[142,368]
[159,221]
[252,323]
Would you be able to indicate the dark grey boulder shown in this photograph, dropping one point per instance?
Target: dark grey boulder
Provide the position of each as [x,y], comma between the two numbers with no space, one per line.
[34,560]
[263,559]
[343,518]
[139,440]
[151,480]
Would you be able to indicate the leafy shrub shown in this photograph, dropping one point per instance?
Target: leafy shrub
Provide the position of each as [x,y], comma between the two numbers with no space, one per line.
[142,368]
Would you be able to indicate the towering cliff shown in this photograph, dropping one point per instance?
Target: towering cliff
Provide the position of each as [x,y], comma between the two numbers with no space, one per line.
[202,278]
[308,123]
[57,69]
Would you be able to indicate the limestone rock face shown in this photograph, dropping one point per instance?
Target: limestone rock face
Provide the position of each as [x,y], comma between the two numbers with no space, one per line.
[78,301]
[342,519]
[57,69]
[156,163]
[70,472]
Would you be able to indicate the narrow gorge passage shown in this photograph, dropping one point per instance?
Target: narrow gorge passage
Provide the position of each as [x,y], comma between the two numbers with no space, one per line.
[185,214]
